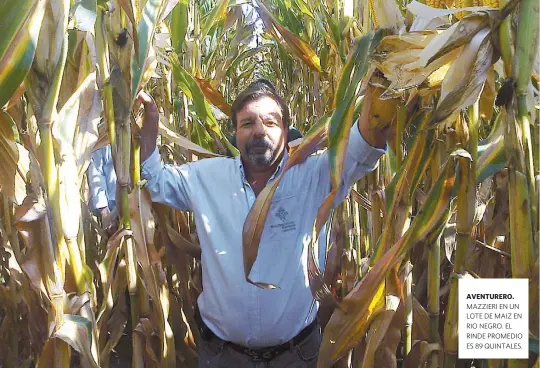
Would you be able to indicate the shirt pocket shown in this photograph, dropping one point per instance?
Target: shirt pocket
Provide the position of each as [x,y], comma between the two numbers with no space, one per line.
[283,220]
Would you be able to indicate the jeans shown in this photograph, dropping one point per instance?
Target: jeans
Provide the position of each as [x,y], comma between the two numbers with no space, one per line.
[218,353]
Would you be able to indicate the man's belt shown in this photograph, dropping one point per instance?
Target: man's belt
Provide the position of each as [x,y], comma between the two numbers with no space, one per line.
[258,354]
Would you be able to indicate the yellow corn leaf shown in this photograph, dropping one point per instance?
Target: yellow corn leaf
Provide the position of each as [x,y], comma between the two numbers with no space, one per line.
[487,98]
[341,333]
[420,329]
[217,13]
[10,154]
[143,227]
[378,329]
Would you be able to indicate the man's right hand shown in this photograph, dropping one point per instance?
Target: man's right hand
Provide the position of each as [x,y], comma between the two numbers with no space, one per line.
[149,130]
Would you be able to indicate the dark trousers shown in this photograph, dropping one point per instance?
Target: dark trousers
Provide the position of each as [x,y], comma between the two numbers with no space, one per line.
[217,353]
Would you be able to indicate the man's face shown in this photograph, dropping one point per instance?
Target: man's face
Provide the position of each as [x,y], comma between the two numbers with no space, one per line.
[260,133]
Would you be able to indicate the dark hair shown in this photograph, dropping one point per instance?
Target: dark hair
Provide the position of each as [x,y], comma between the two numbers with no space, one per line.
[259,88]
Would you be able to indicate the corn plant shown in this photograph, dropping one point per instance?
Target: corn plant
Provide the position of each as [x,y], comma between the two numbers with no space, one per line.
[455,196]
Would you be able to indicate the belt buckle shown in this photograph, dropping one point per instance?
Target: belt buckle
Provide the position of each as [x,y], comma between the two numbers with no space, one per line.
[258,356]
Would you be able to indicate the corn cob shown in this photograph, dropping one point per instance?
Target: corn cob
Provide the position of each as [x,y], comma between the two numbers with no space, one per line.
[463,4]
[436,3]
[491,3]
[373,13]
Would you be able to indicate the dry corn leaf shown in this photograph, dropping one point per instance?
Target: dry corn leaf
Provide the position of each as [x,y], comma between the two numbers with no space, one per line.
[378,329]
[76,331]
[214,96]
[457,35]
[465,79]
[183,142]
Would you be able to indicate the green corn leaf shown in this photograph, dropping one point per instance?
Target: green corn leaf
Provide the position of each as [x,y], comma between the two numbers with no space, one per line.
[85,15]
[179,25]
[191,88]
[145,30]
[352,73]
[218,12]
[403,185]
[21,23]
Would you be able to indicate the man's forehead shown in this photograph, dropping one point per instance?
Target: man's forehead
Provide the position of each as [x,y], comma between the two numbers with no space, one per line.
[264,107]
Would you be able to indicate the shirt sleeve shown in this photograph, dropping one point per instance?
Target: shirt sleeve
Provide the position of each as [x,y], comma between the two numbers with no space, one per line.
[361,158]
[167,184]
[97,182]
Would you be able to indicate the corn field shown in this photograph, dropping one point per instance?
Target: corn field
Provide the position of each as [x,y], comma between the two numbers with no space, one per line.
[456,195]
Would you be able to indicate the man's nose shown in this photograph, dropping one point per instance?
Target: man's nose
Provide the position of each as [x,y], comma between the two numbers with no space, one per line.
[259,129]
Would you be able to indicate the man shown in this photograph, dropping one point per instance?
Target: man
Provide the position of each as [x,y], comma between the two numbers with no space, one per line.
[246,326]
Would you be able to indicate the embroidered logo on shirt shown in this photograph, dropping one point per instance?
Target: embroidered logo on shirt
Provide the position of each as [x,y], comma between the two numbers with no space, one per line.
[282,214]
[284,226]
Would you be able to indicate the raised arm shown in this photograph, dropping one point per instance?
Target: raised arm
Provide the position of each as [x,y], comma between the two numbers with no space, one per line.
[167,184]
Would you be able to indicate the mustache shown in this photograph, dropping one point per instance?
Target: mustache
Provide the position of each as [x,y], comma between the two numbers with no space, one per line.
[259,143]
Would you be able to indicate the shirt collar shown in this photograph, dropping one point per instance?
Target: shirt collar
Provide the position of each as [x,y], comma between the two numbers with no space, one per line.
[274,175]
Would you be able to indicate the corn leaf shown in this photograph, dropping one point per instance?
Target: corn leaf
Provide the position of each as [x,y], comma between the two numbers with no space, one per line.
[182,244]
[457,35]
[214,96]
[341,120]
[21,24]
[491,160]
[465,79]
[300,48]
[401,189]
[378,330]
[345,328]
[9,152]
[77,332]
[217,13]
[85,15]
[190,87]
[171,136]
[179,25]
[145,30]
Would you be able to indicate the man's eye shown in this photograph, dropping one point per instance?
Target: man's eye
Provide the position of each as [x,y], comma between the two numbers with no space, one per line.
[247,124]
[271,123]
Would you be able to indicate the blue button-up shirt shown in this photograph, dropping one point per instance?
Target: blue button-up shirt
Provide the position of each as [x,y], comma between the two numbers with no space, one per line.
[102,179]
[217,192]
